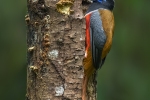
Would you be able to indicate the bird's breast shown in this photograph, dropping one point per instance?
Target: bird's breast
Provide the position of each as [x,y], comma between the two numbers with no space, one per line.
[87,37]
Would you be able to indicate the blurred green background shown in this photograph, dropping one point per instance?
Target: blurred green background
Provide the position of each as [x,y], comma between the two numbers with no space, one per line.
[125,74]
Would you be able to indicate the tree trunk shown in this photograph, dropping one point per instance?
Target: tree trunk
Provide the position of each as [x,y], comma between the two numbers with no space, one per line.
[56,45]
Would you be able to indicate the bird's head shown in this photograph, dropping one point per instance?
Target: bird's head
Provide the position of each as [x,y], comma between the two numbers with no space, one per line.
[108,3]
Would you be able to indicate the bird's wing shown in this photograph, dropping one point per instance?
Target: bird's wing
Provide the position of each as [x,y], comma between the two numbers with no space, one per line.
[97,37]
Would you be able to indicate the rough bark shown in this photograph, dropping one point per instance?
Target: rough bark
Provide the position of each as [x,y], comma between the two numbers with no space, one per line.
[55,51]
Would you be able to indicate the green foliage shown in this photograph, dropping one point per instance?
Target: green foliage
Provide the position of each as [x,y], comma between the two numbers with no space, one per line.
[12,50]
[125,74]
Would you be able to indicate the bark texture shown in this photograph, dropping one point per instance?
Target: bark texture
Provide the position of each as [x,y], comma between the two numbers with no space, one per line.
[56,45]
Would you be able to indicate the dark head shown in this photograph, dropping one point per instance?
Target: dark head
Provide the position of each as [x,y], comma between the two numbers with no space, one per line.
[108,4]
[97,4]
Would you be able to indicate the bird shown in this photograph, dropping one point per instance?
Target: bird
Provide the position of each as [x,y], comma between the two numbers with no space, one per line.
[98,38]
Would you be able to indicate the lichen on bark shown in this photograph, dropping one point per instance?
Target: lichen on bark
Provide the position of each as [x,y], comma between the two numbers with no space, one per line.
[64,6]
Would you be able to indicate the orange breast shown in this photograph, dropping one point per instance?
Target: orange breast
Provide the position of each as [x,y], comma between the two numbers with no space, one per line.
[87,39]
[88,64]
[87,61]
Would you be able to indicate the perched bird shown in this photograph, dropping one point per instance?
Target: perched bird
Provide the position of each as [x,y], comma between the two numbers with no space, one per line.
[99,33]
